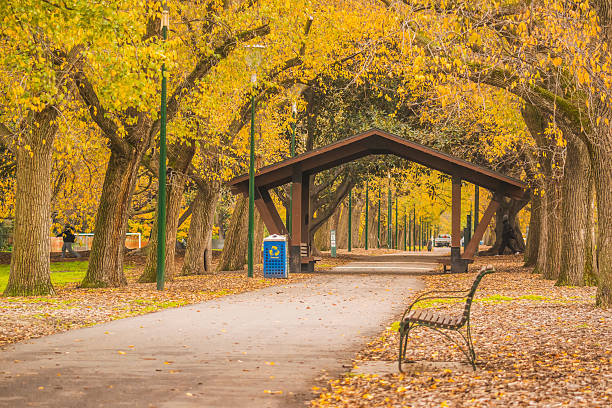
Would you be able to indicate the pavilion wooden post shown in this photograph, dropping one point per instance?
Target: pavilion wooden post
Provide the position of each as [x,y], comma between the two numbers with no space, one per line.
[296,221]
[305,217]
[472,246]
[457,264]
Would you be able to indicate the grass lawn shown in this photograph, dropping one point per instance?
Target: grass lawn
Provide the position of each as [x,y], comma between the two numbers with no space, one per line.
[62,273]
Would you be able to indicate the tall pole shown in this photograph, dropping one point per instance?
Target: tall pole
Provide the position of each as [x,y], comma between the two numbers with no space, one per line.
[476,205]
[389,216]
[414,228]
[420,233]
[252,183]
[379,216]
[350,221]
[161,197]
[367,204]
[397,245]
[293,125]
[405,232]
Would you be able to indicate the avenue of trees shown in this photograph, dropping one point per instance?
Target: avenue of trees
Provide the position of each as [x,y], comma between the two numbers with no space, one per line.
[523,87]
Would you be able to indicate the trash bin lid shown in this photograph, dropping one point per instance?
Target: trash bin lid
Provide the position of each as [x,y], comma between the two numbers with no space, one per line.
[276,237]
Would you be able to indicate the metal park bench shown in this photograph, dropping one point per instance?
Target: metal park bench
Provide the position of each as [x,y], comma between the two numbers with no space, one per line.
[441,323]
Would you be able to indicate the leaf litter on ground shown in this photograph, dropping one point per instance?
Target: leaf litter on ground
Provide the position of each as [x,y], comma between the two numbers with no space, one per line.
[537,344]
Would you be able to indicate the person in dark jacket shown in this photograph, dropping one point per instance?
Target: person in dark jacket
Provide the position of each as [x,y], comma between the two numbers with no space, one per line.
[68,238]
[508,237]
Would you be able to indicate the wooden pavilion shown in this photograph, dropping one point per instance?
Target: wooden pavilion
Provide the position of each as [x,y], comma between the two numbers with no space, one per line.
[298,170]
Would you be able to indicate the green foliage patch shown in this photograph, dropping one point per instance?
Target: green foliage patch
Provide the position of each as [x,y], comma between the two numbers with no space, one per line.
[62,273]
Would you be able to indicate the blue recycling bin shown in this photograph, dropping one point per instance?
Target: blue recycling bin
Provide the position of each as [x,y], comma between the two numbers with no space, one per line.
[275,257]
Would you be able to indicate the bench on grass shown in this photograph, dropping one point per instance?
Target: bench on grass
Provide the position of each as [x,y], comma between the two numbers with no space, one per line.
[441,323]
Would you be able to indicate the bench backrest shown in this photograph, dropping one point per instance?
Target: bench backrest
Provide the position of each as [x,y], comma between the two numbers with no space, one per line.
[472,292]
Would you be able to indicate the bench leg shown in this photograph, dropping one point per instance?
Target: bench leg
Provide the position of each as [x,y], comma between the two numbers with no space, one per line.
[403,344]
[470,345]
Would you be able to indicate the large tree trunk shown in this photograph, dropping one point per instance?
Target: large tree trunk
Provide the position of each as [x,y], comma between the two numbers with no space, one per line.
[30,269]
[179,161]
[199,252]
[511,208]
[234,253]
[601,157]
[106,256]
[533,239]
[591,272]
[575,189]
[600,149]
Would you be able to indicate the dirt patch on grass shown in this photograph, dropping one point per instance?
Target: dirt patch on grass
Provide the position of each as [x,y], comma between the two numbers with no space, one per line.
[537,345]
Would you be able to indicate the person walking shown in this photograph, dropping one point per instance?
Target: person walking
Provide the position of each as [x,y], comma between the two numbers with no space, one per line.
[508,237]
[68,238]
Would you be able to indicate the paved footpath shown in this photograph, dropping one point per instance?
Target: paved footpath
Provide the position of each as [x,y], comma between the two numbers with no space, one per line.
[414,263]
[257,349]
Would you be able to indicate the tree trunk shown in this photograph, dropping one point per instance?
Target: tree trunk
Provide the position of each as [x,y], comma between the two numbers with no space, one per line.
[373,227]
[591,271]
[511,208]
[533,239]
[358,204]
[555,232]
[180,158]
[601,159]
[106,256]
[30,269]
[199,252]
[321,240]
[542,248]
[342,228]
[258,237]
[175,190]
[600,150]
[234,253]
[575,190]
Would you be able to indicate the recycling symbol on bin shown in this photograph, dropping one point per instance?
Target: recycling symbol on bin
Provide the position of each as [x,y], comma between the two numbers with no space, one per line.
[274,251]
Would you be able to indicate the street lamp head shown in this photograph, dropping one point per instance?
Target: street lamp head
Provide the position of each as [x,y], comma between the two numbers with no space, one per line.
[253,55]
[165,19]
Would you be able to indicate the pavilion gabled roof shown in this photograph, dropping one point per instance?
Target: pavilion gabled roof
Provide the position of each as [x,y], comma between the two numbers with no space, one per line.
[376,141]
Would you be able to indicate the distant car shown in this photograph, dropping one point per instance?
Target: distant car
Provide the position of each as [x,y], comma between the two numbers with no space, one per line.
[443,240]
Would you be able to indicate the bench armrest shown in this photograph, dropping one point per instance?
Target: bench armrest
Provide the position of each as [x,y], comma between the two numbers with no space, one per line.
[429,295]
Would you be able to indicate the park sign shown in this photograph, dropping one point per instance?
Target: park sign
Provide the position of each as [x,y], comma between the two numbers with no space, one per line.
[332,239]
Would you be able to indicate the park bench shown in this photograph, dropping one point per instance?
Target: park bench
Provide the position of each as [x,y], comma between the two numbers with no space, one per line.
[413,318]
[307,261]
[446,263]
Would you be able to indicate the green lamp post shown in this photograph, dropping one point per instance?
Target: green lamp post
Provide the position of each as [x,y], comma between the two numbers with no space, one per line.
[397,245]
[379,216]
[389,215]
[253,58]
[293,123]
[367,202]
[350,221]
[161,196]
